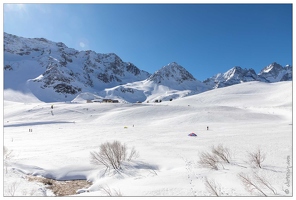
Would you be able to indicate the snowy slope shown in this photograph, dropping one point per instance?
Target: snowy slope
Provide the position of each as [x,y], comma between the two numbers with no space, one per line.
[242,117]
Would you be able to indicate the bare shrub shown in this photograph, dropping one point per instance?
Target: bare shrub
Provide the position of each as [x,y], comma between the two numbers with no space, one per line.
[250,184]
[208,160]
[7,155]
[212,187]
[110,192]
[12,188]
[31,192]
[256,158]
[111,155]
[133,154]
[222,152]
[263,181]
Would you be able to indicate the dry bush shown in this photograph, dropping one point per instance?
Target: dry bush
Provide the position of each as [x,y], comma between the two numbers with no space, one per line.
[110,192]
[263,181]
[111,155]
[7,155]
[256,158]
[133,154]
[11,189]
[222,152]
[250,184]
[212,187]
[208,160]
[217,156]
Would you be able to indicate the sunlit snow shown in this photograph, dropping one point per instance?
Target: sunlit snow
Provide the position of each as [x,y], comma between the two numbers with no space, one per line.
[242,118]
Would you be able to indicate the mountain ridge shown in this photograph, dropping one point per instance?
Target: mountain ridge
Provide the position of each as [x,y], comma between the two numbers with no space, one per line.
[271,73]
[53,72]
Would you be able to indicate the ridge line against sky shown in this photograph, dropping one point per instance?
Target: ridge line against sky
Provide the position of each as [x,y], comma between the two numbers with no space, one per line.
[206,39]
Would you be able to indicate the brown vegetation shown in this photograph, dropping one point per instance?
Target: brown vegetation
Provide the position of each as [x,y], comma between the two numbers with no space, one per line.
[61,188]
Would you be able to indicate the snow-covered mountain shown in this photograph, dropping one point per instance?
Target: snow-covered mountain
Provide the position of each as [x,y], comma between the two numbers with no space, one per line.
[171,73]
[275,73]
[170,82]
[54,72]
[233,76]
[272,73]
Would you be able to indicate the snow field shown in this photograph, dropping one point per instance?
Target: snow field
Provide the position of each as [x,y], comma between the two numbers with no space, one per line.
[242,118]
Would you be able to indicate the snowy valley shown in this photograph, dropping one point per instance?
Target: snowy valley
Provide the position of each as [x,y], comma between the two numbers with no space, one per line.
[55,118]
[56,143]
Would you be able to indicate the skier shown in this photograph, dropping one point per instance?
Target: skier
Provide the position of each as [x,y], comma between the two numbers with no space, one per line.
[207,128]
[51,106]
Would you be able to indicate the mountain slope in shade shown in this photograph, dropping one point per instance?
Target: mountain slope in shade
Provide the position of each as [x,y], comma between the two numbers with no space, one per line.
[54,72]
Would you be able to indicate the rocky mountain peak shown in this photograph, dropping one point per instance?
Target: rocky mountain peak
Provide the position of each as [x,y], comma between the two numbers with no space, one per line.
[172,72]
[275,72]
[233,76]
[272,67]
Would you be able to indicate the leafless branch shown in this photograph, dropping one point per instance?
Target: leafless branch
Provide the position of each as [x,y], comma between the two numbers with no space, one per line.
[111,155]
[263,181]
[208,160]
[249,184]
[222,152]
[12,188]
[212,187]
[257,158]
[109,192]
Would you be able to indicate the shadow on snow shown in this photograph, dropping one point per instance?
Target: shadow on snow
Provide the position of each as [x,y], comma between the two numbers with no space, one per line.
[37,123]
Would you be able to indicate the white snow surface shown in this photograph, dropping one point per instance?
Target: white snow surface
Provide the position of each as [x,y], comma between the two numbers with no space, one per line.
[241,117]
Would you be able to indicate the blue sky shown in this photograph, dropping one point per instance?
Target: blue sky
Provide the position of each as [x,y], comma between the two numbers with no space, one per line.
[206,39]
